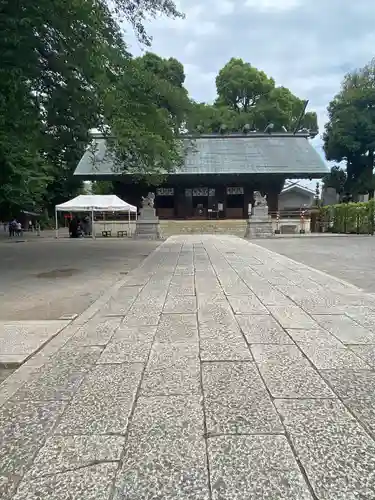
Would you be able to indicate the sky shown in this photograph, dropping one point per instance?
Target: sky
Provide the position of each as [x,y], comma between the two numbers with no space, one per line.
[305,45]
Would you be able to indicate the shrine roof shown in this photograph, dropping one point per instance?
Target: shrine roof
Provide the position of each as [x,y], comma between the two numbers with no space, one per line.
[253,153]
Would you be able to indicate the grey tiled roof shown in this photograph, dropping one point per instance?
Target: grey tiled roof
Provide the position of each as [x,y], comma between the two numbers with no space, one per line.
[257,154]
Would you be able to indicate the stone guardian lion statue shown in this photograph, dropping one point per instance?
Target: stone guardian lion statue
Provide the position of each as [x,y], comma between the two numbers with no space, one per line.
[149,200]
[259,200]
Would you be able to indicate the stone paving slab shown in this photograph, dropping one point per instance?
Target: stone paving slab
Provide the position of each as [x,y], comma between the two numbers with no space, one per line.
[20,340]
[23,429]
[216,370]
[172,369]
[247,304]
[180,304]
[366,352]
[351,383]
[346,329]
[288,374]
[135,333]
[63,453]
[97,332]
[60,377]
[236,400]
[255,467]
[123,351]
[262,329]
[90,483]
[104,401]
[165,455]
[333,448]
[177,328]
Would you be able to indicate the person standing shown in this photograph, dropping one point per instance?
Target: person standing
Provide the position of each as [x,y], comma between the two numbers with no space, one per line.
[12,227]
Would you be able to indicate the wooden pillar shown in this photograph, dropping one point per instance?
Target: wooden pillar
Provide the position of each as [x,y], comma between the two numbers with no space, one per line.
[272,200]
[181,202]
[273,189]
[221,198]
[175,201]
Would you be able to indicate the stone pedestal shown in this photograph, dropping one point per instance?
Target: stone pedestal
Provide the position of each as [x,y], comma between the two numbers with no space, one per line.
[147,225]
[259,225]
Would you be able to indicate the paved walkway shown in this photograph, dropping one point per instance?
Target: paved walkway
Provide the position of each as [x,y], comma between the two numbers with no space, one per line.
[350,257]
[215,370]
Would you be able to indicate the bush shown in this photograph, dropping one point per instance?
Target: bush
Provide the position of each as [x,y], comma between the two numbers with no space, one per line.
[349,218]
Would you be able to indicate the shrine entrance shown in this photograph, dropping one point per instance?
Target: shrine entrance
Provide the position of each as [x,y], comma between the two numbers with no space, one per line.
[200,202]
[215,198]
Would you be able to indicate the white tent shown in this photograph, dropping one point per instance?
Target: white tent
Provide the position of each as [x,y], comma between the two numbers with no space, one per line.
[95,203]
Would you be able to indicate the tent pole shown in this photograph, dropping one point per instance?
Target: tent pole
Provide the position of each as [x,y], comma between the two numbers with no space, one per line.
[129,221]
[56,225]
[93,235]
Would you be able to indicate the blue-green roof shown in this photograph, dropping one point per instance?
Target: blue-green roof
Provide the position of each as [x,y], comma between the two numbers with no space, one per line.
[225,154]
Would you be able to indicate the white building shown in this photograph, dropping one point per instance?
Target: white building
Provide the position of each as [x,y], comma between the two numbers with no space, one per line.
[294,197]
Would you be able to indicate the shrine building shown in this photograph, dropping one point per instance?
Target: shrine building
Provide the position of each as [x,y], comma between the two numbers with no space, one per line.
[219,174]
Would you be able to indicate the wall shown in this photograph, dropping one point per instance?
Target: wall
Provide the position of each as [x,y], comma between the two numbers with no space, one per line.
[171,227]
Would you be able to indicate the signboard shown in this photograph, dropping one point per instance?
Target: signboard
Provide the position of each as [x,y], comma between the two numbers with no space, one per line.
[165,191]
[235,190]
[201,191]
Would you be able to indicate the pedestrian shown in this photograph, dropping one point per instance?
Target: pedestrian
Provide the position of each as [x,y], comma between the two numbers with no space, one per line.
[19,228]
[12,227]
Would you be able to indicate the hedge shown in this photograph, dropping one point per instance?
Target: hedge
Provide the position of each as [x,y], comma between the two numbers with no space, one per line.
[349,218]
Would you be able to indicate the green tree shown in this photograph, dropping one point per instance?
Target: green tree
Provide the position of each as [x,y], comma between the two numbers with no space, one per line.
[350,132]
[240,86]
[335,179]
[102,187]
[247,96]
[136,12]
[168,79]
[60,68]
[210,118]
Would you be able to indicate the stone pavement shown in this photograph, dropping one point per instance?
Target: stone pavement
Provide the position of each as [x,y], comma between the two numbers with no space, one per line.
[215,370]
[20,340]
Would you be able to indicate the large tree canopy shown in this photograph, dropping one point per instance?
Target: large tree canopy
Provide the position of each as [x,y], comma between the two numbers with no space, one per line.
[64,69]
[349,135]
[240,86]
[247,96]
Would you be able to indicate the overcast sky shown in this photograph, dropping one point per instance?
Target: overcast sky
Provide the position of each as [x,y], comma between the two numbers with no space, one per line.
[305,45]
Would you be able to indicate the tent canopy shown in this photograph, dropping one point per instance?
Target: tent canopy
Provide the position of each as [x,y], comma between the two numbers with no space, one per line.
[96,203]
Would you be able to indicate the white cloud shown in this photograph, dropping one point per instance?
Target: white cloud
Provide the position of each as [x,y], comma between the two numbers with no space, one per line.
[305,45]
[190,48]
[224,7]
[278,5]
